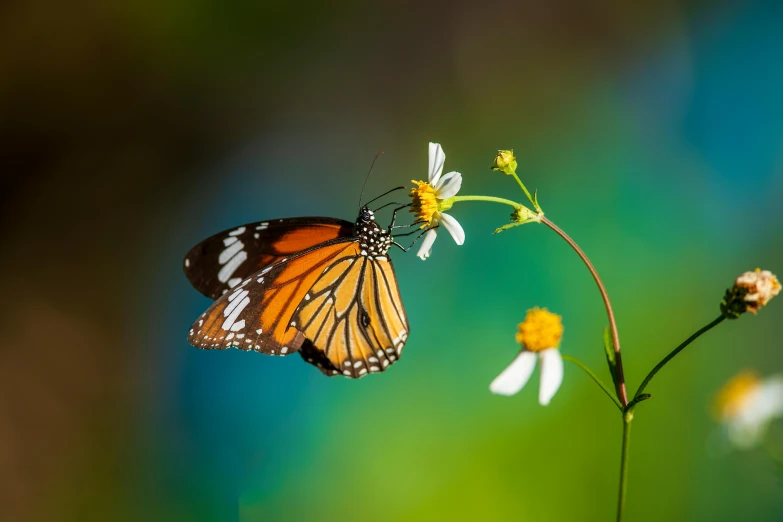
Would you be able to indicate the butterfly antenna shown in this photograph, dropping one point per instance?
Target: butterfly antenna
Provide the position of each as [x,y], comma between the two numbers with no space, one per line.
[361,195]
[401,187]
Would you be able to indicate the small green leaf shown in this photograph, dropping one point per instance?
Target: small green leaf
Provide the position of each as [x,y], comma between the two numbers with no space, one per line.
[505,227]
[512,225]
[609,346]
[535,200]
[609,351]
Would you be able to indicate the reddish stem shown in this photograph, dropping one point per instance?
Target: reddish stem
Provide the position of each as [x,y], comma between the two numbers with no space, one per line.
[620,384]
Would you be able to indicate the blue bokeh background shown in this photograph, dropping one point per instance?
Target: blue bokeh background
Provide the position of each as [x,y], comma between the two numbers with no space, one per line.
[653,133]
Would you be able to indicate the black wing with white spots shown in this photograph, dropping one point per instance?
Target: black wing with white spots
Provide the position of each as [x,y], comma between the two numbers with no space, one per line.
[222,261]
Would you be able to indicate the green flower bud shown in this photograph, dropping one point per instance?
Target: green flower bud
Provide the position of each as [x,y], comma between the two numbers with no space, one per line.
[505,162]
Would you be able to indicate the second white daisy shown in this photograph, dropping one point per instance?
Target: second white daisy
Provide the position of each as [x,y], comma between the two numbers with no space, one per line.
[539,334]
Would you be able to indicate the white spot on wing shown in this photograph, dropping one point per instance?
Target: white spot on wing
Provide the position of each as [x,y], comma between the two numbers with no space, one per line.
[237,231]
[233,301]
[229,252]
[225,273]
[235,313]
[238,326]
[187,263]
[234,281]
[230,241]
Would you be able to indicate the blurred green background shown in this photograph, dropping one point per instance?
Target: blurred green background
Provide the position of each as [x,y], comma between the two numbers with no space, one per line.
[132,130]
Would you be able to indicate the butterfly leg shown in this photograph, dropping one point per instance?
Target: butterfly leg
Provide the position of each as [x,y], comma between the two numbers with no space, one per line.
[407,226]
[414,224]
[394,216]
[414,241]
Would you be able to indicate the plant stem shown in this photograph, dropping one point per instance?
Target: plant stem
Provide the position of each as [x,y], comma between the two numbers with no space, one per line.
[674,352]
[589,372]
[627,418]
[490,199]
[621,391]
[524,189]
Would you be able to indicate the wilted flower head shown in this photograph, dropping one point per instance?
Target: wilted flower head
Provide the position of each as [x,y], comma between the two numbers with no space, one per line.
[747,404]
[539,334]
[751,291]
[505,161]
[432,198]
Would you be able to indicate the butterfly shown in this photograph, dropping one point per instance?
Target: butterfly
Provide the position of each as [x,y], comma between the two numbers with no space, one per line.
[320,286]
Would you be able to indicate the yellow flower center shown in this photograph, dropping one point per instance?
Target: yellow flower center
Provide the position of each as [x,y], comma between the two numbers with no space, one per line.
[425,204]
[540,330]
[732,398]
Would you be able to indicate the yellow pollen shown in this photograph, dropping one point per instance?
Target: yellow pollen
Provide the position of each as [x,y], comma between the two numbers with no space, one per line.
[540,330]
[733,397]
[425,204]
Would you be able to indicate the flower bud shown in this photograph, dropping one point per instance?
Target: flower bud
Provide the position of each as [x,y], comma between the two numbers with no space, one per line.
[505,162]
[522,214]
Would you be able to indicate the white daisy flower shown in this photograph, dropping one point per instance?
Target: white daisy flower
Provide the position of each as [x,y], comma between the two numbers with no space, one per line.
[539,334]
[746,405]
[432,198]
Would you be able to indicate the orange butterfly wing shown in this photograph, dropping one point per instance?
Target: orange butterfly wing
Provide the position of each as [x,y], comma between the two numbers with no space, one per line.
[353,318]
[257,313]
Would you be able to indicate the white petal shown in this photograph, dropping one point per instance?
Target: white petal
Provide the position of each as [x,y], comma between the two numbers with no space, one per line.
[437,159]
[744,436]
[426,244]
[453,227]
[516,375]
[448,185]
[772,397]
[551,374]
[762,405]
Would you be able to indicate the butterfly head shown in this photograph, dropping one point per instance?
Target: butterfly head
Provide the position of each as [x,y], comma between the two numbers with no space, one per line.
[374,240]
[365,216]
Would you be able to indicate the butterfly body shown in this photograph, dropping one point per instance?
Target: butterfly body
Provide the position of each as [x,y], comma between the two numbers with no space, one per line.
[321,286]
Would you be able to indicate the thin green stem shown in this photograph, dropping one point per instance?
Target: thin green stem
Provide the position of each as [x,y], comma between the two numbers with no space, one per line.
[524,189]
[490,199]
[621,391]
[674,352]
[595,378]
[627,418]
